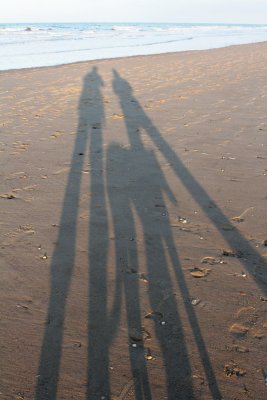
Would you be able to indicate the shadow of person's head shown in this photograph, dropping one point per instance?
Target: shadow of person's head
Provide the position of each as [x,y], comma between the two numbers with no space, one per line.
[119,84]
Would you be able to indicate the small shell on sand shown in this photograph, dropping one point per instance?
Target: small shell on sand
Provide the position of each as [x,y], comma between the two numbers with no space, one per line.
[117,116]
[8,196]
[238,329]
[211,261]
[199,272]
[237,219]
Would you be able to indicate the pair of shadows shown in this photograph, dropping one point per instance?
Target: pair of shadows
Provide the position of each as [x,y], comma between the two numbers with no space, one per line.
[128,188]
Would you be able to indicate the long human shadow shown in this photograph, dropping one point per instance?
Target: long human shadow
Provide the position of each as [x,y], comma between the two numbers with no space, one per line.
[88,139]
[99,336]
[136,183]
[135,119]
[147,187]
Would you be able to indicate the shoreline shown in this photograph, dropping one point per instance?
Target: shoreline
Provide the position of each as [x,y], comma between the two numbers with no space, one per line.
[131,57]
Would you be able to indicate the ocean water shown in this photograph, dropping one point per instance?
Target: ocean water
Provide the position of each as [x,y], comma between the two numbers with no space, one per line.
[45,44]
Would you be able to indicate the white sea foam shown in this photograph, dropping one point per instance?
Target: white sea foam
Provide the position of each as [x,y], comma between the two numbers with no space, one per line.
[127,28]
[35,45]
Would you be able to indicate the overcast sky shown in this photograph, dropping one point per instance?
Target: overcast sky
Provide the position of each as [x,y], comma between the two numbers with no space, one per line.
[227,11]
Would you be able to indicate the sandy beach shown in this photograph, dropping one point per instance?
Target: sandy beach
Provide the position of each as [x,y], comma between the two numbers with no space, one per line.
[133,228]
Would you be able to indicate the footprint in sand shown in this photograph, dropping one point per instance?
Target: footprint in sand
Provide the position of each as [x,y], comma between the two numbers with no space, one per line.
[61,171]
[25,188]
[20,146]
[246,318]
[57,134]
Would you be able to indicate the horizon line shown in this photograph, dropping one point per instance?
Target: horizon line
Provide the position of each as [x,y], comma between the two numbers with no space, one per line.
[132,22]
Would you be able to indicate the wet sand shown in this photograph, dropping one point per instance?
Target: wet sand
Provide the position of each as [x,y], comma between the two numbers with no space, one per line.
[133,227]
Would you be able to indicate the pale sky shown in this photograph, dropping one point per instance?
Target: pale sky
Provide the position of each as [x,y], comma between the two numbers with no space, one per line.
[224,11]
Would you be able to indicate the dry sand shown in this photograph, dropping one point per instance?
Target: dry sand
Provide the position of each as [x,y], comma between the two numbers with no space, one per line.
[125,273]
